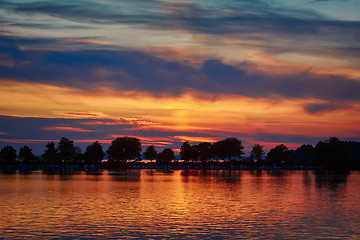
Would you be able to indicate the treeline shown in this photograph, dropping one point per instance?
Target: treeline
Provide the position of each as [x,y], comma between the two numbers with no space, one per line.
[64,152]
[331,153]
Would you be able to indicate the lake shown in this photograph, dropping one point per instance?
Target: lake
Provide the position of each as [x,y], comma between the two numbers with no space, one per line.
[195,204]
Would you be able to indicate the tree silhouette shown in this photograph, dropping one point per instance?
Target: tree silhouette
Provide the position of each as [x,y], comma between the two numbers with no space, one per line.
[277,154]
[229,148]
[150,153]
[124,148]
[205,151]
[66,149]
[353,150]
[51,154]
[79,157]
[94,153]
[8,155]
[194,151]
[257,152]
[332,153]
[25,153]
[166,156]
[304,154]
[185,151]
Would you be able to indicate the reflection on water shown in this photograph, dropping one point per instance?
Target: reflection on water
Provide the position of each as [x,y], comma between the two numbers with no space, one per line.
[198,204]
[331,180]
[125,175]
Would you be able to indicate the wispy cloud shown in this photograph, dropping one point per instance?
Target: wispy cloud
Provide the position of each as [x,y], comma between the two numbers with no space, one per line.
[252,20]
[68,129]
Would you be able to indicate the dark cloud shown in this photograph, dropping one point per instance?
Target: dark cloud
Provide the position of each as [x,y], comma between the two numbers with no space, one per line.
[40,128]
[133,70]
[217,70]
[319,108]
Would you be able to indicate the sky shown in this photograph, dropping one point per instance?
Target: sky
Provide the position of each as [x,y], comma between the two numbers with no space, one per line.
[264,71]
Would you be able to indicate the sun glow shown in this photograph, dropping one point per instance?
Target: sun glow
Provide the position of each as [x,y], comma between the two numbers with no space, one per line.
[194,112]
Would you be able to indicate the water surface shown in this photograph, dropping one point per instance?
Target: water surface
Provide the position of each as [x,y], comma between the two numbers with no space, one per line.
[218,204]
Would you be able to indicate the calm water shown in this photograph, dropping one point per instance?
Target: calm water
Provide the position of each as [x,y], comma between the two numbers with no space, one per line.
[183,205]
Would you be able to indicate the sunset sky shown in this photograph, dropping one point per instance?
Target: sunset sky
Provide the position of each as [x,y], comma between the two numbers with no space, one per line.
[264,71]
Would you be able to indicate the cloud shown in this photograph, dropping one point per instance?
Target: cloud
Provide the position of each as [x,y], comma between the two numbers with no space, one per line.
[265,21]
[196,139]
[105,12]
[320,108]
[140,71]
[68,129]
[53,128]
[22,141]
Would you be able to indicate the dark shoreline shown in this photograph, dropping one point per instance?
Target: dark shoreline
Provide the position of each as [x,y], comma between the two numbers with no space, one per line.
[173,166]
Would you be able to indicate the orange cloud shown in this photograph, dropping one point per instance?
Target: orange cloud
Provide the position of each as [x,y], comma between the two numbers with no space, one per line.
[196,139]
[70,129]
